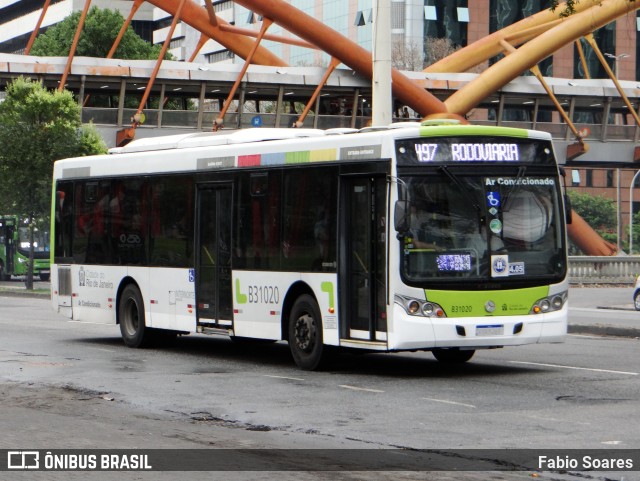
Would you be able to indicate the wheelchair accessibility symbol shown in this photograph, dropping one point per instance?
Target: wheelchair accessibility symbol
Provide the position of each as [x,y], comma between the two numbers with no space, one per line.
[493,199]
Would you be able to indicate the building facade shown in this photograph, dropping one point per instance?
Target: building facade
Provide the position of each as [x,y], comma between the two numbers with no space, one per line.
[19,18]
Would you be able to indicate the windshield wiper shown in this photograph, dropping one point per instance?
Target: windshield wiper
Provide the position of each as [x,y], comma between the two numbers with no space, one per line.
[516,188]
[454,178]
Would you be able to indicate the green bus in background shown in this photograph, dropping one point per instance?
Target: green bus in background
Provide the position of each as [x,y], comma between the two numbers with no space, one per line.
[14,249]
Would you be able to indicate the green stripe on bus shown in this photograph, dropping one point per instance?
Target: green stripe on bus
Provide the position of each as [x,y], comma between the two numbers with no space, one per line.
[297,157]
[459,131]
[474,303]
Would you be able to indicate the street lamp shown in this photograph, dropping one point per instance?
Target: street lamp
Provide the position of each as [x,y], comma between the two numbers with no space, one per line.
[615,59]
[633,181]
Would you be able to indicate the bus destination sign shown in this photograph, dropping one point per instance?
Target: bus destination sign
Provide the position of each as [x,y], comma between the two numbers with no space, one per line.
[440,150]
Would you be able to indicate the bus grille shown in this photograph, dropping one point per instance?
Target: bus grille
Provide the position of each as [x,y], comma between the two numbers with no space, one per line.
[64,281]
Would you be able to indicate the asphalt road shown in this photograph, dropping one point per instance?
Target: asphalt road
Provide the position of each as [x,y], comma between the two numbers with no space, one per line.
[70,385]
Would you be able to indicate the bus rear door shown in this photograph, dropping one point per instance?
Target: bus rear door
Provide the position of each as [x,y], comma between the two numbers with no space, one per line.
[213,263]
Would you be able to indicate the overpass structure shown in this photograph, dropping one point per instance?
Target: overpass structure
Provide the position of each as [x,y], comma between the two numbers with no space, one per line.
[269,96]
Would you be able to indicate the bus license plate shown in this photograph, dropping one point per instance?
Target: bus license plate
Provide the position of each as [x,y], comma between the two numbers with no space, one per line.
[493,330]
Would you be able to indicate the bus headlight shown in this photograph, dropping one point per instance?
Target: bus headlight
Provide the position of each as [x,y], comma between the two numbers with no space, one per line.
[416,307]
[413,307]
[428,309]
[549,304]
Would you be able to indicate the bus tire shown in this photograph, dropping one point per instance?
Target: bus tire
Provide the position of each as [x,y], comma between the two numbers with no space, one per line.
[452,356]
[305,333]
[131,318]
[44,277]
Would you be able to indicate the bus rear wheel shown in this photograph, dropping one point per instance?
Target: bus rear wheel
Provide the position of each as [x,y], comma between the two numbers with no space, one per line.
[131,317]
[305,333]
[452,356]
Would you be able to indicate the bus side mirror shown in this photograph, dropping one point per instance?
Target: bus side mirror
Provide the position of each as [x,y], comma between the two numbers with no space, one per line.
[568,211]
[400,217]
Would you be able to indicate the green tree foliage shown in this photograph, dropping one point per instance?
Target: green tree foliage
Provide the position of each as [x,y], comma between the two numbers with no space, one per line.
[38,127]
[597,211]
[98,35]
[100,30]
[569,7]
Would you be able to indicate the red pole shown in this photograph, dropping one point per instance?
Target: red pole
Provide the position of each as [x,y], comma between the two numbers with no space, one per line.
[74,45]
[340,47]
[32,38]
[134,8]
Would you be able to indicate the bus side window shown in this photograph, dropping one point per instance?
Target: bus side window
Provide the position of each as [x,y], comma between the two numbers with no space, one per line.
[89,230]
[63,220]
[256,234]
[309,210]
[127,210]
[171,221]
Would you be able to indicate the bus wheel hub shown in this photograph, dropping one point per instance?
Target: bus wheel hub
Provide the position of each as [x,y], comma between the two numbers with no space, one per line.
[304,332]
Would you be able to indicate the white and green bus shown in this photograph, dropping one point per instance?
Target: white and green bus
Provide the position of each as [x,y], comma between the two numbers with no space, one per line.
[15,245]
[446,238]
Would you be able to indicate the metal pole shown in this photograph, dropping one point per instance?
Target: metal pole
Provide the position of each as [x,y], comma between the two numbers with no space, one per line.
[633,181]
[381,88]
[619,210]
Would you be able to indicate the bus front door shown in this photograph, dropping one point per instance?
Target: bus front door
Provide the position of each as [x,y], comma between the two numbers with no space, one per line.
[364,263]
[213,273]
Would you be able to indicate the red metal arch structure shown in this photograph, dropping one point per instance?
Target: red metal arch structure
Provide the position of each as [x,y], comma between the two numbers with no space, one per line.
[524,45]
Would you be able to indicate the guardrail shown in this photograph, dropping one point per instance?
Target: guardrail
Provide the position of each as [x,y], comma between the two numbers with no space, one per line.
[603,269]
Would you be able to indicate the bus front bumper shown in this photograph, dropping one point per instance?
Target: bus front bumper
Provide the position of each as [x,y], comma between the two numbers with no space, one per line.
[415,332]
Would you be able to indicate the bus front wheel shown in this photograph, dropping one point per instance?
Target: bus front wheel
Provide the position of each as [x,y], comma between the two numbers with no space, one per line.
[131,317]
[452,356]
[305,333]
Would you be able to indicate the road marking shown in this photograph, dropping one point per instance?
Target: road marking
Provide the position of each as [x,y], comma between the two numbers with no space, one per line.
[354,388]
[285,377]
[575,367]
[448,402]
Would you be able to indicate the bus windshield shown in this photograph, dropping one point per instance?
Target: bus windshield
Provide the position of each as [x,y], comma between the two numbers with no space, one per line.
[480,227]
[40,242]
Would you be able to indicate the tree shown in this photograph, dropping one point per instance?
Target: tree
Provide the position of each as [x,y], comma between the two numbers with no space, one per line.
[98,35]
[436,49]
[597,211]
[100,30]
[38,127]
[406,55]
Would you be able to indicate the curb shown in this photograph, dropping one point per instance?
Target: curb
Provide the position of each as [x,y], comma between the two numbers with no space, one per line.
[604,330]
[24,293]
